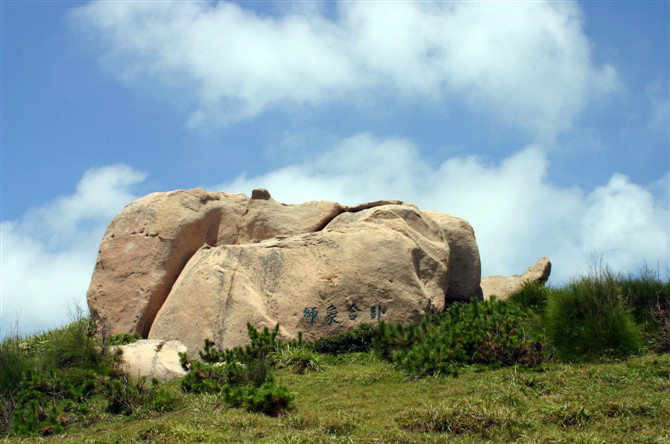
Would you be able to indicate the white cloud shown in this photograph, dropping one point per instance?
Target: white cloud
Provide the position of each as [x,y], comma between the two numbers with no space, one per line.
[526,62]
[48,254]
[517,213]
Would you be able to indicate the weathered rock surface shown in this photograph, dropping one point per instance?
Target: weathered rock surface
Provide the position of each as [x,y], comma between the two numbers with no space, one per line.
[191,264]
[465,268]
[147,245]
[502,287]
[152,358]
[389,262]
[266,218]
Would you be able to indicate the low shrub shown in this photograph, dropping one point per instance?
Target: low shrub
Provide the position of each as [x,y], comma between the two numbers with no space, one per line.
[242,374]
[360,339]
[591,316]
[127,396]
[490,333]
[268,398]
[44,400]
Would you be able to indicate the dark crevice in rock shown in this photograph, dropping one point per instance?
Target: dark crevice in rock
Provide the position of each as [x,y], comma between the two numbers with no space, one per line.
[212,224]
[377,203]
[329,219]
[356,209]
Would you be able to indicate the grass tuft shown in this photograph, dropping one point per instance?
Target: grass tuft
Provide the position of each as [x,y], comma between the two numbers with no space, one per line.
[591,317]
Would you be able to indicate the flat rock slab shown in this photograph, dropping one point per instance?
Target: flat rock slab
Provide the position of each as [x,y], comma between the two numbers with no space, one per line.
[153,358]
[502,287]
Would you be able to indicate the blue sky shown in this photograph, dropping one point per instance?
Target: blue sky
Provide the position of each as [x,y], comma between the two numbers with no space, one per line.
[545,124]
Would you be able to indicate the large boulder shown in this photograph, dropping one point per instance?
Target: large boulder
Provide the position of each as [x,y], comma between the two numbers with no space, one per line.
[192,264]
[147,245]
[502,287]
[387,262]
[152,358]
[465,268]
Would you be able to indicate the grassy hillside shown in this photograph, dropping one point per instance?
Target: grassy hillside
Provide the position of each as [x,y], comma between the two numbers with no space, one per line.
[361,399]
[588,362]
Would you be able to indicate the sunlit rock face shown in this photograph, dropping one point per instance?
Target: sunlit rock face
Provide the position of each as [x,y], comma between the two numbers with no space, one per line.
[189,265]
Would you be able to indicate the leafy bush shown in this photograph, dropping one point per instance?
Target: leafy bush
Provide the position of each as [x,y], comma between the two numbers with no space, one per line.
[591,316]
[490,333]
[360,339]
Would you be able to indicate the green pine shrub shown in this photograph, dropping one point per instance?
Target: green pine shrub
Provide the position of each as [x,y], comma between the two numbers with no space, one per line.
[242,374]
[45,401]
[591,317]
[485,334]
[269,398]
[360,339]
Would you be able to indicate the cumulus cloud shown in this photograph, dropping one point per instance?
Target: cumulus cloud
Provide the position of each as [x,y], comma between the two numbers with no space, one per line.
[526,62]
[517,213]
[48,254]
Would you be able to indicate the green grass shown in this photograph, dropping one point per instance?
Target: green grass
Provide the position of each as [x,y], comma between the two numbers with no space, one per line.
[616,391]
[360,399]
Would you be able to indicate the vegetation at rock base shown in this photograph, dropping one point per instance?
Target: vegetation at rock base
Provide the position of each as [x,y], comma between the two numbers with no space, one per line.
[484,334]
[518,378]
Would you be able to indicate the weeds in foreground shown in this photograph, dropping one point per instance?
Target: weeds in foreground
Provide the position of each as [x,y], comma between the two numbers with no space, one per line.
[463,417]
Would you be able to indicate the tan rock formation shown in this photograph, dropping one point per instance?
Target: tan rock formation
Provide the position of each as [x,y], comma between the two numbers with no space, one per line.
[388,262]
[152,358]
[465,268]
[257,260]
[147,245]
[502,287]
[266,218]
